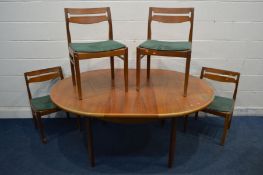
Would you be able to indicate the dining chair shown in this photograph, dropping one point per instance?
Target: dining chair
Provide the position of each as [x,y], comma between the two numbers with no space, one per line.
[90,50]
[221,106]
[166,48]
[43,105]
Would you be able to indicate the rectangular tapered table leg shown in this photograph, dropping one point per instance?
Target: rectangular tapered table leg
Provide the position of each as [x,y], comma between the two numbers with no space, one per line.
[172,143]
[90,142]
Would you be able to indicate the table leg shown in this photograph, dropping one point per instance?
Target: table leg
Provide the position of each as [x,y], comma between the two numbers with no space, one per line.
[185,122]
[90,142]
[172,143]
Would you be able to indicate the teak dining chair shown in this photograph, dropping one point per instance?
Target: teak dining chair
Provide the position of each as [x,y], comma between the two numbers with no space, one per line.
[81,51]
[221,106]
[165,48]
[41,106]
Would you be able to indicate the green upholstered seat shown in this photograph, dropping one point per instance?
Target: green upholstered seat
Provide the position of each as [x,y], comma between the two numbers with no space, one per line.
[100,46]
[166,45]
[42,103]
[221,104]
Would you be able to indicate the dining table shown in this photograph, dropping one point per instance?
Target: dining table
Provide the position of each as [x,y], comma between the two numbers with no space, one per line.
[159,98]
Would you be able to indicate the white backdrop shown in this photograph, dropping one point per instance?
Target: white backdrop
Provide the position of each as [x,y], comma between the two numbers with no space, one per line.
[227,35]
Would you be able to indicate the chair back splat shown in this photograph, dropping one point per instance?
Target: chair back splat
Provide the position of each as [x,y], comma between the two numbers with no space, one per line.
[221,76]
[87,16]
[41,76]
[171,15]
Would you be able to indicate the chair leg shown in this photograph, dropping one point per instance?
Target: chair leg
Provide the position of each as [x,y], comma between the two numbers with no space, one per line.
[90,142]
[77,69]
[196,115]
[148,66]
[230,121]
[41,129]
[185,122]
[187,69]
[172,143]
[112,67]
[138,69]
[34,119]
[126,70]
[226,124]
[73,77]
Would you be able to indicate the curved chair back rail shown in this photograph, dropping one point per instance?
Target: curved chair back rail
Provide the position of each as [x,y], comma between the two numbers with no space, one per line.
[87,16]
[175,15]
[41,76]
[221,76]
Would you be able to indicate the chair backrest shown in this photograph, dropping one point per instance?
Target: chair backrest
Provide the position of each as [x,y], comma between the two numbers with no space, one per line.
[171,15]
[221,76]
[87,16]
[41,76]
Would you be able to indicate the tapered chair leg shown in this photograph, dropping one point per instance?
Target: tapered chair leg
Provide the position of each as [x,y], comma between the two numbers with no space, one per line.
[185,122]
[187,70]
[78,79]
[172,143]
[196,115]
[148,66]
[41,128]
[126,70]
[138,69]
[72,71]
[230,121]
[90,142]
[226,124]
[34,119]
[112,67]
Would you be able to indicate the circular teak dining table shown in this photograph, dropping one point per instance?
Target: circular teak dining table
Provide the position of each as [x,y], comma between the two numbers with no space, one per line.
[160,97]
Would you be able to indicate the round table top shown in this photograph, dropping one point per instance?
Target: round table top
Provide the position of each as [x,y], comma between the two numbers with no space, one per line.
[160,97]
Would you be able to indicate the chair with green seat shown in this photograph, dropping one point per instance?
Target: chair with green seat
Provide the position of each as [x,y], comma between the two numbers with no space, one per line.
[221,106]
[166,48]
[41,106]
[81,51]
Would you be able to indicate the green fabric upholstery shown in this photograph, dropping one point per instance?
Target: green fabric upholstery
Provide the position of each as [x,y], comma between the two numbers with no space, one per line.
[42,103]
[100,46]
[166,45]
[221,104]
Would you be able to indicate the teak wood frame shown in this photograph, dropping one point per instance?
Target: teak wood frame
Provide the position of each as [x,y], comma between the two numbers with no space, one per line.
[227,77]
[141,52]
[41,76]
[75,57]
